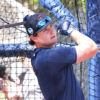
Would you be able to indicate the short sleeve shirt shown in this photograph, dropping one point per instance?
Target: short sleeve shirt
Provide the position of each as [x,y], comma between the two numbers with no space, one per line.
[53,68]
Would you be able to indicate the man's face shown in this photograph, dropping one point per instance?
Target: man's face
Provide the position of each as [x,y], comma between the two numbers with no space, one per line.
[47,37]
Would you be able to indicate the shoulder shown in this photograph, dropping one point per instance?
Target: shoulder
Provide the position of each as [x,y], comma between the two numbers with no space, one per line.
[61,51]
[58,54]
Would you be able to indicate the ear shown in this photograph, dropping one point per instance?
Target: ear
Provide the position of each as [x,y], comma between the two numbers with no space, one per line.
[33,38]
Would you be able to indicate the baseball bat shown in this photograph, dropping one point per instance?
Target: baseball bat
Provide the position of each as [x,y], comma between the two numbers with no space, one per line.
[12,25]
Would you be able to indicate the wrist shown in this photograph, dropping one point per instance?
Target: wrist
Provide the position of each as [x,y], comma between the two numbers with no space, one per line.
[73,32]
[65,27]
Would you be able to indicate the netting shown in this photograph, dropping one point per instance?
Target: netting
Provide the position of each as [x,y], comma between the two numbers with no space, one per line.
[93,24]
[24,82]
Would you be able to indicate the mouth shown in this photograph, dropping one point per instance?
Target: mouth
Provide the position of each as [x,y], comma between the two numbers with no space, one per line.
[52,37]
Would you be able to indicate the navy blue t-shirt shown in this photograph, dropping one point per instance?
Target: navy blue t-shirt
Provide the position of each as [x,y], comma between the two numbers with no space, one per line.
[53,68]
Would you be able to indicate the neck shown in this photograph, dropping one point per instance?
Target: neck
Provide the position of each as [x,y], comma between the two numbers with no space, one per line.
[45,46]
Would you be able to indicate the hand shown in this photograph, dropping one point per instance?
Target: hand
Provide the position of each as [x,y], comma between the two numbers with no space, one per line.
[65,27]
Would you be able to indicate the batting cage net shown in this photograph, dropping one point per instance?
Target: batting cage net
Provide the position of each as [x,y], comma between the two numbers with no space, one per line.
[16,72]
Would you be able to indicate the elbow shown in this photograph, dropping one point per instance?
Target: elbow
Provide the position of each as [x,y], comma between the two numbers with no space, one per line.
[94,49]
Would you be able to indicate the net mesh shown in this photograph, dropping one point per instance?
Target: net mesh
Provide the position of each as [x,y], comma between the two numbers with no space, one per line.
[93,24]
[12,11]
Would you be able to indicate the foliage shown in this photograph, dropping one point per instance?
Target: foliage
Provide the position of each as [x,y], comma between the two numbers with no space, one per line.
[70,4]
[84,6]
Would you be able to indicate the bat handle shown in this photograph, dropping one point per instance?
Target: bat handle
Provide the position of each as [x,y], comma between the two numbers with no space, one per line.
[12,25]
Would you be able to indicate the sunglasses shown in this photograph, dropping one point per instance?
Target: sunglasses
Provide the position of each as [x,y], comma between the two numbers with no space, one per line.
[40,25]
[43,22]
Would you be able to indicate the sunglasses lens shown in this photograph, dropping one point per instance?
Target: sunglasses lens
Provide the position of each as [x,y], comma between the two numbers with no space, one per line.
[43,22]
[40,24]
[48,18]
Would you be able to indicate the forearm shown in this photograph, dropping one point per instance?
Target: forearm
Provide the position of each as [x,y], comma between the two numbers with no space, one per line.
[81,39]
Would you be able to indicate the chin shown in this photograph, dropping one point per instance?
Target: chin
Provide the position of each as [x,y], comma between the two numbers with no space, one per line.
[53,43]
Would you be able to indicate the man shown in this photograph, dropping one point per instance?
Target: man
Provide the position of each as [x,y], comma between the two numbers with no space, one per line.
[53,65]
